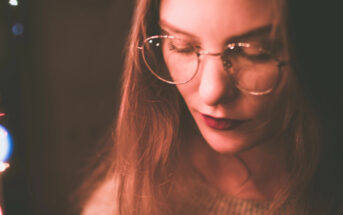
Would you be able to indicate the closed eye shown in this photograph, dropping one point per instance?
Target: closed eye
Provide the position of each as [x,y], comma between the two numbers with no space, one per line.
[180,47]
[250,51]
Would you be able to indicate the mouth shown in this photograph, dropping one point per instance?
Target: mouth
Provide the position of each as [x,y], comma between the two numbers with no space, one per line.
[221,123]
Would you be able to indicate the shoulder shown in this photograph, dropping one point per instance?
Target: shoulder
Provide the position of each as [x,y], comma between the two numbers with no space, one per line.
[102,200]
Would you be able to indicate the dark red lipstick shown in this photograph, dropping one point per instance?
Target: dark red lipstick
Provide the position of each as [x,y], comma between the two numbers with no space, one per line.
[221,123]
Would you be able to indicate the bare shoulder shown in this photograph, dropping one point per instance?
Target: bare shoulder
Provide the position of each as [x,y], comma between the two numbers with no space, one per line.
[102,201]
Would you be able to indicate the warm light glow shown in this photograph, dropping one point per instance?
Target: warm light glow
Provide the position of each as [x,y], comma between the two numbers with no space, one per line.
[13,3]
[3,166]
[0,210]
[2,114]
[5,144]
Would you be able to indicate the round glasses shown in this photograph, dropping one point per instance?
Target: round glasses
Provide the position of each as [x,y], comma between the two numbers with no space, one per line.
[254,67]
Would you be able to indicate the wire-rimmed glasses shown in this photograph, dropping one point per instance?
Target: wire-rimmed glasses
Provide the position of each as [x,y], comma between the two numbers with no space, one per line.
[254,67]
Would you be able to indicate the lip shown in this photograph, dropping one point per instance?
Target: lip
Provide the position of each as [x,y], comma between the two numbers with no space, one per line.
[221,123]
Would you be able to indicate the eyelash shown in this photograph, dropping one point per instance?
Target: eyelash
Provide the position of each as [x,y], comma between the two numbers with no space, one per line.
[189,49]
[260,54]
[265,53]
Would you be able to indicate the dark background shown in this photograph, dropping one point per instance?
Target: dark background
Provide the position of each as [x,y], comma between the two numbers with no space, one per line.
[62,99]
[60,85]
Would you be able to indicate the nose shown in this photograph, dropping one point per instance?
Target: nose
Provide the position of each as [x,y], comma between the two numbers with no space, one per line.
[216,84]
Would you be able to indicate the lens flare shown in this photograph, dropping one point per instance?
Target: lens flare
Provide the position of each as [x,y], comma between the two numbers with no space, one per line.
[5,144]
[18,29]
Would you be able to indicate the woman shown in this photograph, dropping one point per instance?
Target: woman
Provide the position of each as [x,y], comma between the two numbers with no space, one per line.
[212,117]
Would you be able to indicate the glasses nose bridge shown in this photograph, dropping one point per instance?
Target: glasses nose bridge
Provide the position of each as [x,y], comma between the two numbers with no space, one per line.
[200,53]
[226,64]
[207,53]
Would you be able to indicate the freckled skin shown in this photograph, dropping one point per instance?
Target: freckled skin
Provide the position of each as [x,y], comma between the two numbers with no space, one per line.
[212,92]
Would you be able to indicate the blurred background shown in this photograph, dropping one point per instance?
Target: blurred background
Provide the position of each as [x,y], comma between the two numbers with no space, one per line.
[60,92]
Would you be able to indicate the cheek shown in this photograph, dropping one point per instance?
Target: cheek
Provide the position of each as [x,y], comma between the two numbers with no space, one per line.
[257,107]
[188,92]
[268,105]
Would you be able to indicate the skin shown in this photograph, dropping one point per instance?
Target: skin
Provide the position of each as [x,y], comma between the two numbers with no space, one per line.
[210,25]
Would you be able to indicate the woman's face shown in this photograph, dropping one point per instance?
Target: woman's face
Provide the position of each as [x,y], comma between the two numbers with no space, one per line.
[228,119]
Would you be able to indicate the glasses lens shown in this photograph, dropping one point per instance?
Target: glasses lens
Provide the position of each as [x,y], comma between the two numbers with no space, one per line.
[171,60]
[255,70]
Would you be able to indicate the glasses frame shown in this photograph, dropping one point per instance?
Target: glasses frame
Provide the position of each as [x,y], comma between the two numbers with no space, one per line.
[204,53]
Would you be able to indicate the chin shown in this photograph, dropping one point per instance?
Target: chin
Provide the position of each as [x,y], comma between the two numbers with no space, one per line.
[227,142]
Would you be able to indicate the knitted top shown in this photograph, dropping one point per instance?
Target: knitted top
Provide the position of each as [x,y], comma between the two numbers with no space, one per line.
[204,199]
[194,196]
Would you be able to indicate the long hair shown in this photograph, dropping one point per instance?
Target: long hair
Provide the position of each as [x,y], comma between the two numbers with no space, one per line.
[148,134]
[148,125]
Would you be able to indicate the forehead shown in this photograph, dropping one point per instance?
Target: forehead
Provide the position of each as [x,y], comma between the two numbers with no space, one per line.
[216,19]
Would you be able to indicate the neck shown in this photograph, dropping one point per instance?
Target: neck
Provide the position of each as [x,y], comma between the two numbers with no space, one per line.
[253,174]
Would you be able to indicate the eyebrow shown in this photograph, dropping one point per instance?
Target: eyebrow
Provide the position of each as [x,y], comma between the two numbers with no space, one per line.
[256,32]
[165,26]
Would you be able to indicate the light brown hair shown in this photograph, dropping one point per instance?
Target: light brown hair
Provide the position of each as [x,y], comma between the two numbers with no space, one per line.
[150,130]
